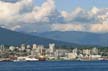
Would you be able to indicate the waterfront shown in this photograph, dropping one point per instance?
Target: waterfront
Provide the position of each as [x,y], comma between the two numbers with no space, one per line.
[51,52]
[55,66]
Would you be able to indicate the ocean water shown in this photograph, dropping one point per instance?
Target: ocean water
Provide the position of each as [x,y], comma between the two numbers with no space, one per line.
[55,66]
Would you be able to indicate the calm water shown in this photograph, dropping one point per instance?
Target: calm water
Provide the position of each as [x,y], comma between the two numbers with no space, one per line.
[54,66]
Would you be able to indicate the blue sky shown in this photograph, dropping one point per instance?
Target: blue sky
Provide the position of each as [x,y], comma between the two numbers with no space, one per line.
[69,5]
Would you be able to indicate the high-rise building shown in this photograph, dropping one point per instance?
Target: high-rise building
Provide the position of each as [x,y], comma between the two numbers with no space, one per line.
[75,51]
[34,46]
[2,47]
[86,51]
[23,47]
[40,49]
[60,53]
[12,48]
[94,51]
[51,47]
[28,46]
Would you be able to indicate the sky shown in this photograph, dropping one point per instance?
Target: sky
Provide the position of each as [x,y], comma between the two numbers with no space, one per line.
[54,15]
[69,5]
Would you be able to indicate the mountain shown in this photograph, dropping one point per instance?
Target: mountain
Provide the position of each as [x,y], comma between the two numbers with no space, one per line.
[8,37]
[82,38]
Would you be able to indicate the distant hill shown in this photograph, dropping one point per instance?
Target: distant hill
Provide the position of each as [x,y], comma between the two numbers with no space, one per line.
[8,37]
[83,38]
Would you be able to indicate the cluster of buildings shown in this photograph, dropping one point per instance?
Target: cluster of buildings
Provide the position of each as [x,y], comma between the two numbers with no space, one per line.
[39,52]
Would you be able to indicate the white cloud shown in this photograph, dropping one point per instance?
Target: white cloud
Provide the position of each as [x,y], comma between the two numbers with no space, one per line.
[96,28]
[13,9]
[39,14]
[10,13]
[80,15]
[67,27]
[94,10]
[24,16]
[72,15]
[100,28]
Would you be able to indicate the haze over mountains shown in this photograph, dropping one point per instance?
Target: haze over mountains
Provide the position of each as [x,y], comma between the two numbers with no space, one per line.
[69,38]
[83,38]
[8,37]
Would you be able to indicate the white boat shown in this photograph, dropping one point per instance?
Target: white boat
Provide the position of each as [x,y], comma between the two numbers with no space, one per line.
[31,59]
[19,59]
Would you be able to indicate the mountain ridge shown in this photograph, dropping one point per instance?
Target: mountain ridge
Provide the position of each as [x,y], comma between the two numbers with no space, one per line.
[78,37]
[8,37]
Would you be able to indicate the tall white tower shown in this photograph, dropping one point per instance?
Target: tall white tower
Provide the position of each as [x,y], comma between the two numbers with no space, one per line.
[51,47]
[34,46]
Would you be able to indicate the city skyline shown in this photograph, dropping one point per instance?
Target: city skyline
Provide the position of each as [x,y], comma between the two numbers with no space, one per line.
[52,52]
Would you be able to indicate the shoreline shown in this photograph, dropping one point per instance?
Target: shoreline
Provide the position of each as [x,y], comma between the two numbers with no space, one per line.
[56,61]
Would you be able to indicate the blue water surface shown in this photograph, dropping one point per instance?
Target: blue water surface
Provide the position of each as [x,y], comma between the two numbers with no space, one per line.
[55,66]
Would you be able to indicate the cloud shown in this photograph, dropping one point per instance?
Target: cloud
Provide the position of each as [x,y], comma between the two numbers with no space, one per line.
[100,28]
[34,28]
[39,14]
[95,20]
[10,13]
[95,28]
[11,10]
[12,1]
[67,27]
[22,15]
[79,15]
[46,13]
